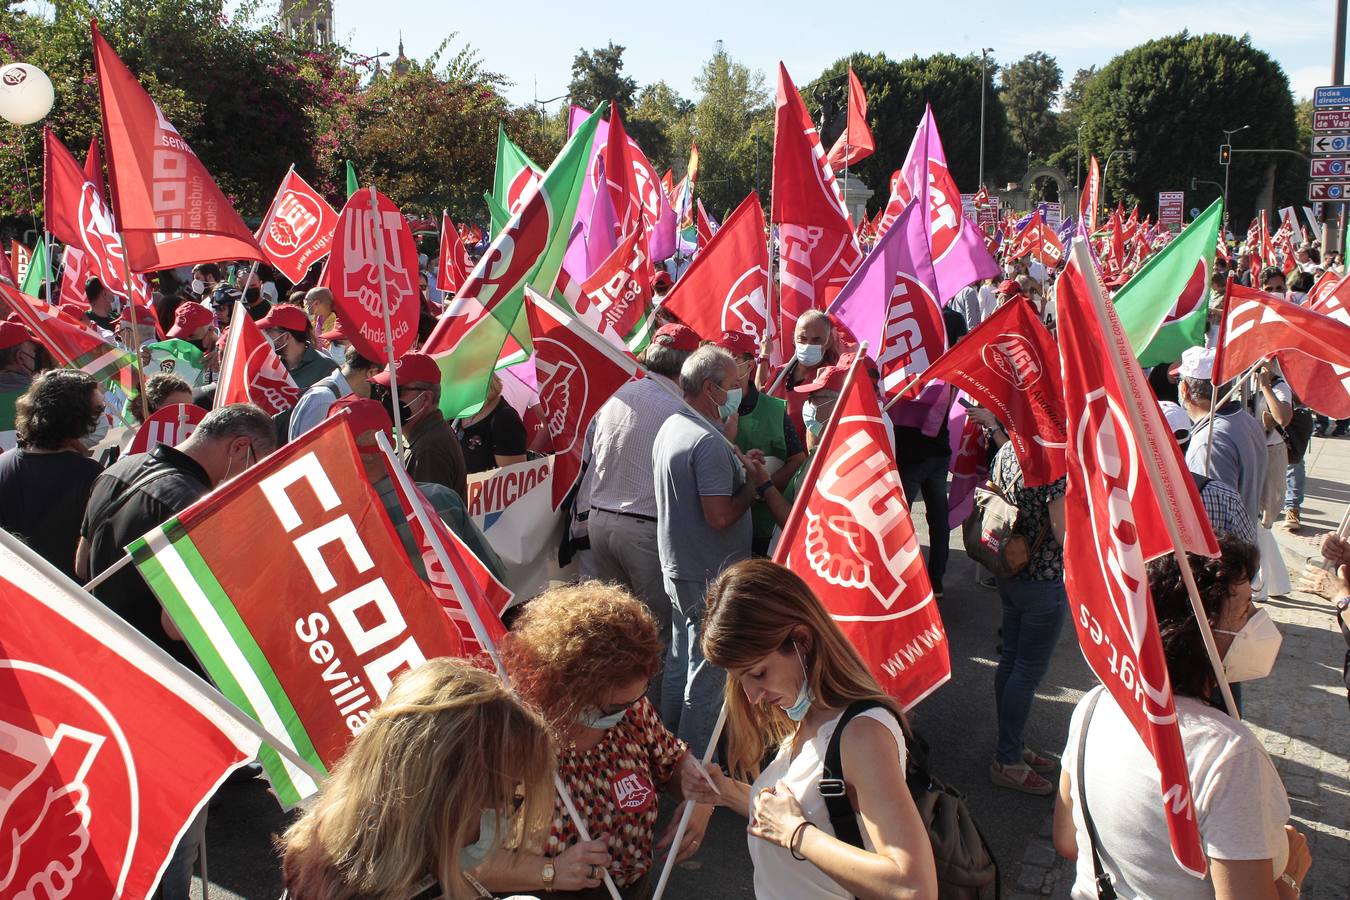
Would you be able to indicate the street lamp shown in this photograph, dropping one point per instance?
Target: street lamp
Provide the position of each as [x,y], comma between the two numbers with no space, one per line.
[357,59]
[1106,175]
[1227,161]
[984,72]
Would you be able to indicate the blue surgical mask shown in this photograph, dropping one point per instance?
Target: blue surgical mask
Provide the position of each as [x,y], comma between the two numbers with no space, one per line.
[474,855]
[95,437]
[814,425]
[809,354]
[593,719]
[731,404]
[797,711]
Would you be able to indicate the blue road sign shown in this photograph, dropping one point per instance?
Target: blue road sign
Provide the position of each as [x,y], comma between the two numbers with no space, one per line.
[1332,95]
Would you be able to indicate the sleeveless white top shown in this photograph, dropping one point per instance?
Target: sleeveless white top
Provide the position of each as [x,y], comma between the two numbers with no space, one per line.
[778,876]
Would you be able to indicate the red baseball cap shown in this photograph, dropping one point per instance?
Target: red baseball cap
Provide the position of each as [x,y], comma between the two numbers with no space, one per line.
[738,342]
[677,337]
[1009,287]
[364,415]
[412,367]
[291,318]
[188,318]
[662,280]
[12,334]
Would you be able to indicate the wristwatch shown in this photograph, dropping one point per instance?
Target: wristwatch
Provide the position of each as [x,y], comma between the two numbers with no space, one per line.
[548,875]
[763,489]
[1289,880]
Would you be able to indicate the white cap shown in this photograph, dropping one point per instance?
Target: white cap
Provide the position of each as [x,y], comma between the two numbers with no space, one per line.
[1177,420]
[1197,362]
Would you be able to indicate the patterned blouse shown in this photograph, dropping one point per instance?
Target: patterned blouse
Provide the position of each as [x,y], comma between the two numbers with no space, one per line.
[1033,505]
[615,784]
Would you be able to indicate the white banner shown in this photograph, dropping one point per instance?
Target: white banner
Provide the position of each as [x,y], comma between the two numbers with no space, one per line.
[513,507]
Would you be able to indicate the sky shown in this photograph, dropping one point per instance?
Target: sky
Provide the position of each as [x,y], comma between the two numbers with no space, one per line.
[533,42]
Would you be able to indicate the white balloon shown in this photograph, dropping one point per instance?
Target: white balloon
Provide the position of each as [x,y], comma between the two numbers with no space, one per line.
[26,93]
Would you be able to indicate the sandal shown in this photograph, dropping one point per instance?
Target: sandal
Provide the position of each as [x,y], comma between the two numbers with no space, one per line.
[1020,777]
[1040,764]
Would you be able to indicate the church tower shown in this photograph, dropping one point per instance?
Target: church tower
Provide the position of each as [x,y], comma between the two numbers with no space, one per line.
[308,19]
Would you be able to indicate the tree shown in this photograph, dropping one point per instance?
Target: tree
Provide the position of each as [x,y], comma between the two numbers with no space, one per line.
[1170,99]
[1028,89]
[733,127]
[597,75]
[1068,157]
[660,123]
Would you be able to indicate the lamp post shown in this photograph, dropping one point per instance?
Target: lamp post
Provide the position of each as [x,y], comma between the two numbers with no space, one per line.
[984,73]
[1227,161]
[1078,166]
[1106,175]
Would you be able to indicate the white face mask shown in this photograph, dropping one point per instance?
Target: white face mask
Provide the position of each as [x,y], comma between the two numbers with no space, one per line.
[95,437]
[337,353]
[198,286]
[809,354]
[1254,649]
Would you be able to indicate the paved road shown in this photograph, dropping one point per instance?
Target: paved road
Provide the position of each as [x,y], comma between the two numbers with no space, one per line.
[1300,713]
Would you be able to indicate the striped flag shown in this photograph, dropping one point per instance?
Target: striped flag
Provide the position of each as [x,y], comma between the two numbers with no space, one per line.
[73,343]
[305,635]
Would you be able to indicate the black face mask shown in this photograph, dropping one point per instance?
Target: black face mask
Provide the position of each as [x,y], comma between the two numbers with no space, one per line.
[404,412]
[251,295]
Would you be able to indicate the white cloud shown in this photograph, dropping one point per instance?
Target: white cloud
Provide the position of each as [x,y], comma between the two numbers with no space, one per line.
[1304,79]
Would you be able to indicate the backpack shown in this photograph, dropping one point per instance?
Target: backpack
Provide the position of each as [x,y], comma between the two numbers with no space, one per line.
[990,536]
[965,861]
[1298,434]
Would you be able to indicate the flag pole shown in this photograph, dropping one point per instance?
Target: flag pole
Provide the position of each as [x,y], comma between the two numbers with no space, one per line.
[388,329]
[688,812]
[470,611]
[1213,387]
[135,336]
[1137,426]
[47,262]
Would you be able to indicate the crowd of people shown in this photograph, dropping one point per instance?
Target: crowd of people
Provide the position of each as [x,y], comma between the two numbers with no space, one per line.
[614,684]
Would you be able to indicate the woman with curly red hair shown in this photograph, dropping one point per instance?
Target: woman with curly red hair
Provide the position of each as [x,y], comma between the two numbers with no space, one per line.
[584,654]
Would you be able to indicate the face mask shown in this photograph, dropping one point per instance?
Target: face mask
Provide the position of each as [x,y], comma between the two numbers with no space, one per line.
[404,410]
[474,855]
[813,425]
[337,353]
[279,343]
[1255,647]
[198,286]
[797,711]
[1008,271]
[732,403]
[95,437]
[251,296]
[810,354]
[593,719]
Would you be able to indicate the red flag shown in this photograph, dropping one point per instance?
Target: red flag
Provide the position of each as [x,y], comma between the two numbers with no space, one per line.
[354,276]
[668,185]
[855,143]
[74,273]
[73,343]
[619,292]
[170,425]
[1322,386]
[1010,365]
[634,187]
[704,227]
[982,197]
[1118,527]
[899,199]
[298,230]
[168,207]
[250,371]
[726,287]
[93,166]
[1040,240]
[488,596]
[108,748]
[7,269]
[817,248]
[578,371]
[19,258]
[1328,282]
[1091,200]
[452,268]
[851,539]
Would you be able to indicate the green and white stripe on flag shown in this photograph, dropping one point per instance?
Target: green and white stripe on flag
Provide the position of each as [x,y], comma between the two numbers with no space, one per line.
[174,569]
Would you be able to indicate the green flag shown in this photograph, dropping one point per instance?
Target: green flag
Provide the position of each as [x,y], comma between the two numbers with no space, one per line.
[8,438]
[1165,306]
[176,357]
[515,170]
[352,184]
[529,251]
[36,276]
[497,215]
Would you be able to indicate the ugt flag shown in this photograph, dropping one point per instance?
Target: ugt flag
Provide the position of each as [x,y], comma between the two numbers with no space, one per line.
[851,539]
[108,748]
[307,633]
[298,229]
[251,371]
[374,265]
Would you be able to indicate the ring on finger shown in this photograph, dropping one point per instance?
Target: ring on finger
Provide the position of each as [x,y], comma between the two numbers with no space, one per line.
[593,867]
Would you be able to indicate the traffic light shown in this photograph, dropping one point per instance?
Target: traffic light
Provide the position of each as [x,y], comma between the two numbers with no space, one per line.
[1225,154]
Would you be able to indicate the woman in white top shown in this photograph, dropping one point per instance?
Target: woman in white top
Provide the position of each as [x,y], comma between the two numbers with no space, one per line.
[793,673]
[1240,804]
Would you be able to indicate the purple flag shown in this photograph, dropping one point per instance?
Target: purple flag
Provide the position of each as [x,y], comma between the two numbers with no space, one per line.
[594,233]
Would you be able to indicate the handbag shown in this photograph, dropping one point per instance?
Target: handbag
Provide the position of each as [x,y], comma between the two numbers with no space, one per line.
[965,862]
[990,533]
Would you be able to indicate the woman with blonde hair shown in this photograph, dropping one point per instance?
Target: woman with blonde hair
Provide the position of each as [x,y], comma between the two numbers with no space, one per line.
[450,767]
[793,677]
[584,655]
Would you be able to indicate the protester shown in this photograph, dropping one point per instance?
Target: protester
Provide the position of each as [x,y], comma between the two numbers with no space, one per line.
[1273,281]
[793,676]
[334,342]
[704,491]
[255,303]
[45,481]
[1241,807]
[1273,407]
[205,278]
[622,520]
[815,347]
[1034,607]
[100,311]
[494,436]
[196,325]
[583,654]
[18,357]
[450,769]
[142,331]
[288,330]
[352,377]
[431,451]
[1238,455]
[1223,504]
[162,389]
[222,301]
[761,423]
[319,309]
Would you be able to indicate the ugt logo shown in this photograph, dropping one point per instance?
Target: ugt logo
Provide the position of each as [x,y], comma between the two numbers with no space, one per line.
[562,391]
[1013,357]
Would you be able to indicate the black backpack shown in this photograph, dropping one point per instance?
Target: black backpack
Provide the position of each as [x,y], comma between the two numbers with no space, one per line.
[965,861]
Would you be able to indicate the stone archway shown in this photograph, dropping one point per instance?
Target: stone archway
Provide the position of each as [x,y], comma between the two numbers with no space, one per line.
[1059,178]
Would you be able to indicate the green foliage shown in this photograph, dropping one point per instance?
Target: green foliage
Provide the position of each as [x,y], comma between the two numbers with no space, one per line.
[1170,100]
[660,122]
[733,127]
[597,75]
[1028,89]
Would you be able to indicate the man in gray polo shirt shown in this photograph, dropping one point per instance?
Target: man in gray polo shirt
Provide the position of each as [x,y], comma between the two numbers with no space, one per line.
[704,490]
[1238,457]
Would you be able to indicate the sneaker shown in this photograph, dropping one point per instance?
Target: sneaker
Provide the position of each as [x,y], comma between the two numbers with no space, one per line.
[1042,765]
[1020,777]
[1319,430]
[1292,520]
[1340,430]
[937,590]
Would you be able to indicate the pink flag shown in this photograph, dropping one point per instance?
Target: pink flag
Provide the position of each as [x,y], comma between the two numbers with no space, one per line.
[662,237]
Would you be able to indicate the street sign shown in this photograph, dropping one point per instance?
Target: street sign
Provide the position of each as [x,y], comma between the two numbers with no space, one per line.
[1330,120]
[1333,95]
[1329,190]
[1330,167]
[1322,144]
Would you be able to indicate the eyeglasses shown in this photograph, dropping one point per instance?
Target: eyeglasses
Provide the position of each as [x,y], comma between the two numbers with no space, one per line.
[620,707]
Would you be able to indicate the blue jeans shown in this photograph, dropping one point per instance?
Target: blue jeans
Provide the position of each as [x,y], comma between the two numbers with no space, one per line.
[691,687]
[1033,613]
[929,478]
[1295,477]
[177,881]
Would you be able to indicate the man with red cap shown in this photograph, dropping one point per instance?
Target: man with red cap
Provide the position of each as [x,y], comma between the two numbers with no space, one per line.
[432,452]
[761,423]
[622,519]
[366,417]
[353,376]
[146,326]
[288,330]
